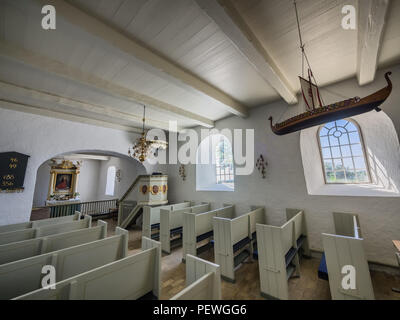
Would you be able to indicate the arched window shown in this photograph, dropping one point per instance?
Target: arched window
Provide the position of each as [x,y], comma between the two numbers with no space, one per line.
[110,184]
[224,161]
[214,164]
[342,152]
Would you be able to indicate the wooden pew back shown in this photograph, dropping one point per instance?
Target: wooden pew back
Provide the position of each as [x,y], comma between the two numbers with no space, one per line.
[198,224]
[172,219]
[39,223]
[24,249]
[151,215]
[26,234]
[129,278]
[240,228]
[23,276]
[347,224]
[256,216]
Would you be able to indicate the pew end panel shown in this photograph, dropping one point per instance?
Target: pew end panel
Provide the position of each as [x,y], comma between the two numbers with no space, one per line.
[148,243]
[203,280]
[165,230]
[125,239]
[341,251]
[189,235]
[146,224]
[223,249]
[271,260]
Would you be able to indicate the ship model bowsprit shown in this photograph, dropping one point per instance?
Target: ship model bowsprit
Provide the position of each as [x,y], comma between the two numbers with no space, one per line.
[316,113]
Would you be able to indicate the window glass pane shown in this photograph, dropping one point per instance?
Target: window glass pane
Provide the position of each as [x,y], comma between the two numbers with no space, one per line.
[341,123]
[110,183]
[333,140]
[323,131]
[340,177]
[342,153]
[328,165]
[344,139]
[356,149]
[359,162]
[330,177]
[348,163]
[326,153]
[330,125]
[338,164]
[224,161]
[335,152]
[351,127]
[354,137]
[324,142]
[345,151]
[351,176]
[362,176]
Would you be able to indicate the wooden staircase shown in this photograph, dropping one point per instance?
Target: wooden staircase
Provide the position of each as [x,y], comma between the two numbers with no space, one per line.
[124,220]
[130,206]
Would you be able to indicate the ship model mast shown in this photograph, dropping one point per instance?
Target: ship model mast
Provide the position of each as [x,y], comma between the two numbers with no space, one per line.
[316,112]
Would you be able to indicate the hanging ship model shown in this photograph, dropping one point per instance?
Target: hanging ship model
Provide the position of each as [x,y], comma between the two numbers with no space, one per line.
[336,111]
[316,113]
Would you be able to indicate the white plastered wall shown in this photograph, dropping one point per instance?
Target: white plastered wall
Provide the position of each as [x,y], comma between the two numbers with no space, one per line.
[43,138]
[285,185]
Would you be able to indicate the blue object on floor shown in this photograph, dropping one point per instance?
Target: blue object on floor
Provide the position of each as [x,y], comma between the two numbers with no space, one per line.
[323,270]
[255,254]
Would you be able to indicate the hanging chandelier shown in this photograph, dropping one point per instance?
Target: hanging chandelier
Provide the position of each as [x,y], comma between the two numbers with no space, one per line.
[143,148]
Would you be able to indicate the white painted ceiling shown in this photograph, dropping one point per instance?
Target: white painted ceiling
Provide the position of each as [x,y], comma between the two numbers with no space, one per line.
[181,32]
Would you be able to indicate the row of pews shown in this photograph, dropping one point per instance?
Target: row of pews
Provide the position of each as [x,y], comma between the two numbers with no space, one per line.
[278,249]
[89,265]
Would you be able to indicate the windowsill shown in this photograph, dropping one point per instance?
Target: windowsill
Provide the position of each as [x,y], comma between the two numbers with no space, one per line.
[216,187]
[353,190]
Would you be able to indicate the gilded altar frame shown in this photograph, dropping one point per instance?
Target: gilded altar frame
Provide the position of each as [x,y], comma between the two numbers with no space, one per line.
[66,167]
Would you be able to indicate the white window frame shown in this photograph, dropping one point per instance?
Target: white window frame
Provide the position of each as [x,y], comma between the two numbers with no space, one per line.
[110,182]
[367,167]
[231,173]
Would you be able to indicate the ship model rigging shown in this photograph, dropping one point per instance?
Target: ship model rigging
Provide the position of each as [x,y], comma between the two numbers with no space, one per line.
[316,112]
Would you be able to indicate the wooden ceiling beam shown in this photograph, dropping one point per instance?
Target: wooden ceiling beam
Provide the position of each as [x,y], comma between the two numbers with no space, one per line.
[39,110]
[371,25]
[159,64]
[59,69]
[7,89]
[229,20]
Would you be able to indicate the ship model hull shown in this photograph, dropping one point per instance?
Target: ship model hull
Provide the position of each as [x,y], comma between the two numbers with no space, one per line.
[335,111]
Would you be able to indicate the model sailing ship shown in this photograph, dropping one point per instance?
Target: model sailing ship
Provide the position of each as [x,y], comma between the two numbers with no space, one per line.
[316,113]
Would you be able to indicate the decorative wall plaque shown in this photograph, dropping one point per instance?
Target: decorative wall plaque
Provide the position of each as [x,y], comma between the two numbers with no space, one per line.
[12,171]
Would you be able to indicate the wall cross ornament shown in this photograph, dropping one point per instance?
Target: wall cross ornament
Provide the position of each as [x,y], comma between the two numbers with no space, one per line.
[182,172]
[261,165]
[118,175]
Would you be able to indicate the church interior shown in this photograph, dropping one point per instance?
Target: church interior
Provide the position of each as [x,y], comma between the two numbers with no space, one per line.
[199,150]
